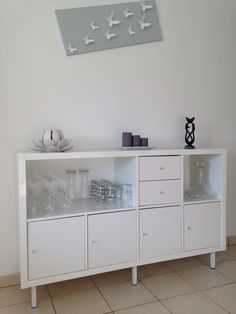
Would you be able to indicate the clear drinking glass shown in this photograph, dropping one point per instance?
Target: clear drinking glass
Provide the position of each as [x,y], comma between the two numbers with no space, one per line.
[71,184]
[84,184]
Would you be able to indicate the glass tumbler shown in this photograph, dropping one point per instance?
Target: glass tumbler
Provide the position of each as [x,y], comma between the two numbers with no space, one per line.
[84,184]
[71,184]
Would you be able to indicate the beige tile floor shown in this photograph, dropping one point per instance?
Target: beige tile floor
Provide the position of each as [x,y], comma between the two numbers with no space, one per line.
[185,286]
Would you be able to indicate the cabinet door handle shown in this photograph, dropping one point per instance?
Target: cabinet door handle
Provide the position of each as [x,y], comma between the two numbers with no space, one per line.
[94,242]
[144,234]
[189,228]
[162,192]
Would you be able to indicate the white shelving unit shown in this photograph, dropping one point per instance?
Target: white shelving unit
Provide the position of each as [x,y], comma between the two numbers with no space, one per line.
[160,223]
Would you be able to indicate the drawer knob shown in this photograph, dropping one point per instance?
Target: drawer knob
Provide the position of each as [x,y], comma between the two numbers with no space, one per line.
[34,251]
[94,242]
[144,234]
[189,228]
[162,192]
[162,168]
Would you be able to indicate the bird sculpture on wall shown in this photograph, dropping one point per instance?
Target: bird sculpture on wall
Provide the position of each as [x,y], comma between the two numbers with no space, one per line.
[93,26]
[110,20]
[72,49]
[127,13]
[109,35]
[131,31]
[145,6]
[88,40]
[144,24]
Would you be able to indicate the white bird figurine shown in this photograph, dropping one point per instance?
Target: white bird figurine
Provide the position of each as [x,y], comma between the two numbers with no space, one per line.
[144,24]
[110,20]
[93,26]
[88,40]
[127,13]
[109,35]
[130,31]
[145,6]
[71,49]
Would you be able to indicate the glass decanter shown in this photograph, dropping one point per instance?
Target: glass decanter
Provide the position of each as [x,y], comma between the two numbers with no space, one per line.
[200,189]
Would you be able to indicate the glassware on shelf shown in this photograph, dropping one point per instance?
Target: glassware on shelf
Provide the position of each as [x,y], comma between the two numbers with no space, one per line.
[127,194]
[200,189]
[84,185]
[71,184]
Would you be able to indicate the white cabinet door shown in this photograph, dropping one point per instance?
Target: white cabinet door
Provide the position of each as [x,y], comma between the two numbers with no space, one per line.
[202,226]
[112,238]
[56,247]
[160,232]
[159,192]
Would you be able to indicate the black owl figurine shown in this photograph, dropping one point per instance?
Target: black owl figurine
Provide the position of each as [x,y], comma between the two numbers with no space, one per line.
[189,133]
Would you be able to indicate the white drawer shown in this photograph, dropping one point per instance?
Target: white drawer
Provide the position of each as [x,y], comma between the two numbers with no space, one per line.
[159,192]
[159,168]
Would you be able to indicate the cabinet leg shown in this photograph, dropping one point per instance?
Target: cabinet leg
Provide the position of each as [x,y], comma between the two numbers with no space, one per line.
[213,260]
[134,275]
[34,297]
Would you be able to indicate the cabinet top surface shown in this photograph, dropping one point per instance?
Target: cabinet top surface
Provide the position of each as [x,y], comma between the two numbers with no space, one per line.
[112,153]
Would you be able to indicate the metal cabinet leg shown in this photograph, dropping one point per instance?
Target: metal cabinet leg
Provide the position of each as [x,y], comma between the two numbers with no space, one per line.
[34,297]
[213,260]
[134,275]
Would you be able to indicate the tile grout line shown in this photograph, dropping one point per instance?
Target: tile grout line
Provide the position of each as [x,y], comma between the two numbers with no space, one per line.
[101,294]
[215,302]
[155,297]
[51,300]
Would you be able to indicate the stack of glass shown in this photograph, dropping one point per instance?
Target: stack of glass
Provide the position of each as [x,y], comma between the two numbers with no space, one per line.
[104,190]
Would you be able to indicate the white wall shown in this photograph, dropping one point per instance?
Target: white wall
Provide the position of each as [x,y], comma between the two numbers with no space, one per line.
[148,89]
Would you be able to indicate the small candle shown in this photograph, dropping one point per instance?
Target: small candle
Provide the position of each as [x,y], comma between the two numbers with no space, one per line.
[144,141]
[136,140]
[126,139]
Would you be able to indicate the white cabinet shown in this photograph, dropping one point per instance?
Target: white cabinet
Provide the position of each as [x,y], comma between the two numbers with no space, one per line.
[112,238]
[202,226]
[56,247]
[160,222]
[160,232]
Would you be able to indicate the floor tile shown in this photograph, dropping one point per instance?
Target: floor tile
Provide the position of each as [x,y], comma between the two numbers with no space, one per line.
[220,257]
[232,250]
[70,286]
[152,269]
[9,280]
[183,263]
[228,268]
[150,308]
[112,277]
[44,307]
[224,296]
[124,295]
[14,295]
[167,285]
[88,301]
[204,277]
[193,304]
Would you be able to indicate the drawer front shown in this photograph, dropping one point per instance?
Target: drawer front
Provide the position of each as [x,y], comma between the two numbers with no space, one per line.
[159,192]
[159,168]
